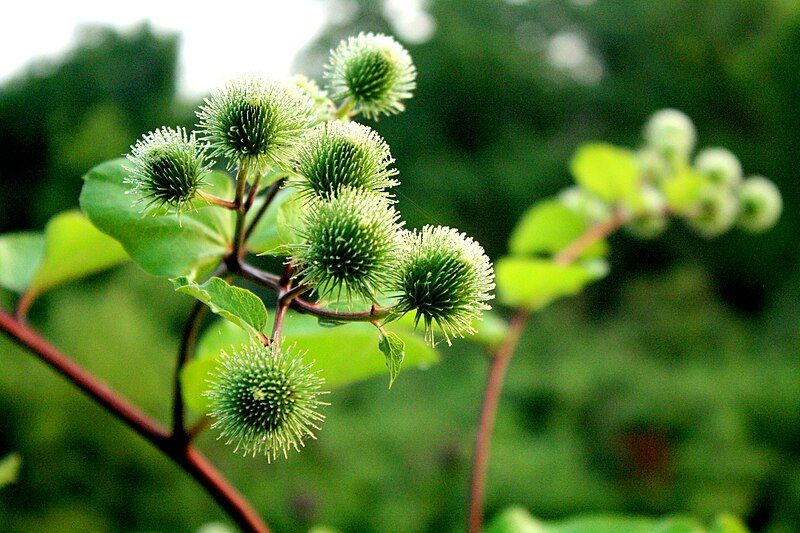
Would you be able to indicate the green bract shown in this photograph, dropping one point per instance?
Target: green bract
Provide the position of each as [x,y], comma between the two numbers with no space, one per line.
[255,122]
[446,278]
[342,154]
[374,72]
[715,212]
[761,204]
[264,402]
[166,167]
[720,166]
[671,133]
[350,243]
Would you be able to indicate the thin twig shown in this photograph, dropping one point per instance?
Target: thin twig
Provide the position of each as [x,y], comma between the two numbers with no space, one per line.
[24,304]
[251,194]
[491,396]
[188,341]
[188,458]
[269,196]
[216,200]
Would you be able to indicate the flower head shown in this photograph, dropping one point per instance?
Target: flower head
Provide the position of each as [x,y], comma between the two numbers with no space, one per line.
[166,167]
[671,133]
[446,278]
[720,166]
[255,122]
[761,204]
[715,211]
[350,243]
[340,154]
[265,403]
[650,219]
[374,72]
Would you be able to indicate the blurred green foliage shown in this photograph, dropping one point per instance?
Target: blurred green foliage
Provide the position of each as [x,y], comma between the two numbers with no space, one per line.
[670,387]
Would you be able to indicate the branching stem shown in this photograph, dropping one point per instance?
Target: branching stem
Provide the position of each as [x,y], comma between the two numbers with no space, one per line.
[183,454]
[273,282]
[269,196]
[216,200]
[241,212]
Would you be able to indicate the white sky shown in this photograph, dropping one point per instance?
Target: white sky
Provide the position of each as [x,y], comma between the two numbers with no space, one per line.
[218,40]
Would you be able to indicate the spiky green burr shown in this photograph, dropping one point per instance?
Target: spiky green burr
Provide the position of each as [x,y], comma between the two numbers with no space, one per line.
[373,72]
[255,122]
[265,403]
[446,278]
[166,167]
[341,154]
[350,244]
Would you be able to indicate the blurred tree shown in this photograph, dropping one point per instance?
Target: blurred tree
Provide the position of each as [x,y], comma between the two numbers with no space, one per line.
[62,116]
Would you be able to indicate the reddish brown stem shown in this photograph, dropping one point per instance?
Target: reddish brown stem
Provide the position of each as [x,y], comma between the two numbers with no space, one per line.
[24,304]
[273,282]
[499,364]
[491,396]
[269,196]
[184,455]
[592,235]
[216,200]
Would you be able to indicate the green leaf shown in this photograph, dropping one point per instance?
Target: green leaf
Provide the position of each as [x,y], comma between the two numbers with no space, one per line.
[9,469]
[518,520]
[535,283]
[683,190]
[343,355]
[191,244]
[610,172]
[73,248]
[394,349]
[265,237]
[20,256]
[515,520]
[235,304]
[547,228]
[289,216]
[726,523]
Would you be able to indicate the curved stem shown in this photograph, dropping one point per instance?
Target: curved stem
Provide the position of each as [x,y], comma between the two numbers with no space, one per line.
[188,341]
[251,194]
[184,455]
[491,397]
[500,360]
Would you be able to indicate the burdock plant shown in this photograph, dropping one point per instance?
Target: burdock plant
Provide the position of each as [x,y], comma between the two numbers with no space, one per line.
[312,187]
[350,244]
[255,122]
